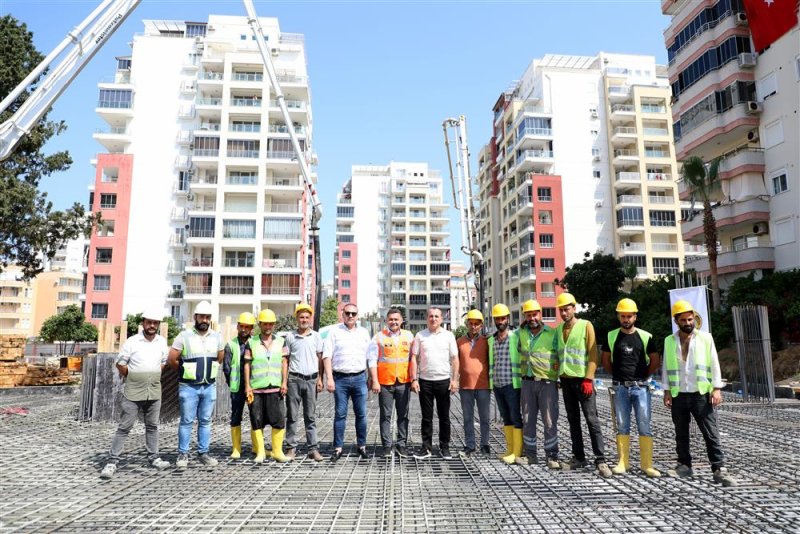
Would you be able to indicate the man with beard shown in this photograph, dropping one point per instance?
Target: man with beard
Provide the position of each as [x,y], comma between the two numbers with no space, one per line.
[197,354]
[233,368]
[692,382]
[504,379]
[631,359]
[473,374]
[140,363]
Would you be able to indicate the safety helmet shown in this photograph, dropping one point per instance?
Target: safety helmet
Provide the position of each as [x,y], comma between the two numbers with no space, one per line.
[267,316]
[565,299]
[531,306]
[203,308]
[627,306]
[475,315]
[153,313]
[681,306]
[500,310]
[303,307]
[247,318]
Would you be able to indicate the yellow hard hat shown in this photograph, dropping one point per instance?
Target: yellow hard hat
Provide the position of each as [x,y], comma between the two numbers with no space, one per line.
[500,310]
[681,306]
[267,316]
[247,318]
[303,307]
[565,299]
[627,306]
[531,306]
[475,315]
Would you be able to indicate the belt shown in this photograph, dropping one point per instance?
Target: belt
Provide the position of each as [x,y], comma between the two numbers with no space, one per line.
[537,379]
[348,374]
[628,383]
[304,377]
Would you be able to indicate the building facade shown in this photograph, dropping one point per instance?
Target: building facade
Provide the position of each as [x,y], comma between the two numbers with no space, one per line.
[463,294]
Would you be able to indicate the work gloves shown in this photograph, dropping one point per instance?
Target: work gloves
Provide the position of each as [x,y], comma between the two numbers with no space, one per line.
[587,387]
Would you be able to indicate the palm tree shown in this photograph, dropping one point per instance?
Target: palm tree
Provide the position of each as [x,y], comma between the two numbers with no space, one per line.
[703,184]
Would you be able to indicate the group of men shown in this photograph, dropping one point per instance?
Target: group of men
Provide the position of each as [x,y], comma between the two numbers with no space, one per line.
[276,375]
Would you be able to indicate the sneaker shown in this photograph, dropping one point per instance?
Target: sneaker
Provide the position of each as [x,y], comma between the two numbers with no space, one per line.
[553,463]
[604,470]
[315,455]
[445,452]
[159,464]
[422,453]
[362,453]
[336,455]
[207,460]
[721,476]
[386,452]
[573,464]
[183,461]
[681,471]
[528,459]
[402,451]
[290,454]
[486,450]
[466,452]
[109,470]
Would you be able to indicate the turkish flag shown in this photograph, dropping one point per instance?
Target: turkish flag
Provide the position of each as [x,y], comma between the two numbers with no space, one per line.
[769,20]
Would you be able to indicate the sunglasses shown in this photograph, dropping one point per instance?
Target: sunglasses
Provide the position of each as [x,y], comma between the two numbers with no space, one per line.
[350,314]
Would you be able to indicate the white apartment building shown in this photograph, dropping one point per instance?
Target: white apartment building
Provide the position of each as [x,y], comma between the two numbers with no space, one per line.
[391,241]
[462,294]
[199,187]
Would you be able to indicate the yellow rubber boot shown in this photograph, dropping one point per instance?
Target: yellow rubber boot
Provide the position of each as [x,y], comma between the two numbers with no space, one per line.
[236,440]
[516,446]
[261,453]
[624,451]
[646,456]
[508,430]
[254,442]
[277,445]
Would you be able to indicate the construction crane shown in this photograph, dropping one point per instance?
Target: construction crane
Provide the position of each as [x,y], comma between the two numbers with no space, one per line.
[83,42]
[463,200]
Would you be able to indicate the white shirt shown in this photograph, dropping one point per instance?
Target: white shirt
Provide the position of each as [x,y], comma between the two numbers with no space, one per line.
[348,349]
[434,352]
[686,372]
[142,356]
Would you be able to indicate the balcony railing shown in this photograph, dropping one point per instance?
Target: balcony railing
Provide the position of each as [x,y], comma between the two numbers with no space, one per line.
[537,132]
[282,128]
[625,130]
[200,233]
[282,208]
[176,266]
[206,152]
[656,153]
[661,200]
[202,262]
[655,131]
[664,247]
[628,177]
[626,152]
[632,247]
[653,108]
[630,222]
[280,154]
[203,206]
[629,199]
[236,153]
[656,222]
[198,290]
[208,75]
[281,290]
[658,176]
[242,180]
[280,263]
[113,104]
[623,108]
[209,101]
[235,290]
[248,76]
[252,128]
[246,102]
[536,154]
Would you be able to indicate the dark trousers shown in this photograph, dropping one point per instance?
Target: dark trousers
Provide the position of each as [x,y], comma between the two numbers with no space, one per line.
[575,403]
[684,407]
[237,407]
[439,391]
[394,399]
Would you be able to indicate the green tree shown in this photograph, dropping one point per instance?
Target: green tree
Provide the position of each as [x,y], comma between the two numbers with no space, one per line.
[703,184]
[29,226]
[69,326]
[460,331]
[328,315]
[776,291]
[285,323]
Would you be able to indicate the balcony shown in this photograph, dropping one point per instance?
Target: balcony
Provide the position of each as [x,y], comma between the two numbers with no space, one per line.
[179,214]
[659,179]
[629,200]
[655,199]
[655,132]
[175,294]
[193,289]
[244,102]
[534,160]
[630,226]
[525,205]
[626,156]
[203,261]
[281,154]
[205,206]
[115,139]
[208,102]
[720,129]
[653,108]
[741,161]
[280,263]
[743,213]
[664,247]
[247,77]
[205,153]
[242,153]
[177,241]
[656,153]
[210,76]
[628,178]
[619,93]
[194,233]
[284,291]
[299,129]
[754,254]
[176,267]
[623,135]
[627,247]
[282,209]
[292,105]
[623,112]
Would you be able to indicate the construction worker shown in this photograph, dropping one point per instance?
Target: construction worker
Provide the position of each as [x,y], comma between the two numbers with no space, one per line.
[305,381]
[140,362]
[473,374]
[692,383]
[197,354]
[631,359]
[233,369]
[391,347]
[577,362]
[539,372]
[505,380]
[265,385]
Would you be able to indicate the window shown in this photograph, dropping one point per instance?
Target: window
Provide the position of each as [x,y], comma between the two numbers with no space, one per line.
[662,218]
[123,63]
[345,254]
[345,299]
[779,184]
[239,148]
[201,226]
[115,98]
[418,269]
[99,311]
[105,229]
[108,201]
[242,178]
[103,255]
[630,217]
[346,284]
[236,229]
[276,228]
[548,289]
[596,174]
[418,299]
[344,239]
[196,29]
[665,265]
[767,86]
[547,265]
[345,211]
[546,240]
[102,282]
[110,175]
[236,285]
[545,217]
[549,315]
[398,268]
[345,269]
[545,194]
[239,258]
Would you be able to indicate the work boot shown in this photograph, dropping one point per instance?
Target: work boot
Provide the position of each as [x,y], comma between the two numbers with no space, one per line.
[681,471]
[277,444]
[722,476]
[315,455]
[553,463]
[254,442]
[109,470]
[508,431]
[402,451]
[207,460]
[258,440]
[159,464]
[183,461]
[604,470]
[291,454]
[236,440]
[526,459]
[573,464]
[486,450]
[516,447]
[646,457]
[624,451]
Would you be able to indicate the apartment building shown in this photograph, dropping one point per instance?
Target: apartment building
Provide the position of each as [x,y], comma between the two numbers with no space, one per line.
[738,102]
[53,292]
[16,302]
[462,294]
[391,241]
[199,188]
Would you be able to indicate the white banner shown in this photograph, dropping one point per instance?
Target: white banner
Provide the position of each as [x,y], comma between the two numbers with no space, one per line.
[698,298]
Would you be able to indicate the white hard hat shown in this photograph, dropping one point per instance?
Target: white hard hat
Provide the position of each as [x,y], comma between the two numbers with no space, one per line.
[203,308]
[153,313]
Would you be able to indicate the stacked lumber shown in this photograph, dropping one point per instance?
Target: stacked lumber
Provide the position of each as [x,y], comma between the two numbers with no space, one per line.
[12,374]
[12,348]
[46,376]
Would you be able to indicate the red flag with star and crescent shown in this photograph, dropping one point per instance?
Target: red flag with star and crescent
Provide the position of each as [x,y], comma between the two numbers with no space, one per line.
[769,20]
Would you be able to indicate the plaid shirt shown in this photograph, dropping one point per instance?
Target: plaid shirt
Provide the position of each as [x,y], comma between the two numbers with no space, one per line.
[502,363]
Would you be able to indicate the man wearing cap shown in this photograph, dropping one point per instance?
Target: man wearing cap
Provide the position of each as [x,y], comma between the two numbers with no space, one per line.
[631,359]
[539,372]
[233,368]
[692,383]
[473,377]
[576,346]
[504,379]
[305,381]
[265,386]
[197,354]
[140,363]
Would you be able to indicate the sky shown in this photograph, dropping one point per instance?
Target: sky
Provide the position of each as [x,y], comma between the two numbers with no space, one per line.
[383,74]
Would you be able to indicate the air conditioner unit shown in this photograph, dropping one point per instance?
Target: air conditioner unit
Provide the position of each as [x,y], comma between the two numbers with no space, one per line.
[741,19]
[598,204]
[594,113]
[752,136]
[190,197]
[274,51]
[761,228]
[596,157]
[753,108]
[747,60]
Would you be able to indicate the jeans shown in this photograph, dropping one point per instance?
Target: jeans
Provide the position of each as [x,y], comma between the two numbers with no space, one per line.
[508,403]
[574,403]
[438,391]
[394,399]
[130,412]
[684,407]
[196,403]
[348,387]
[305,392]
[237,407]
[540,397]
[468,399]
[638,398]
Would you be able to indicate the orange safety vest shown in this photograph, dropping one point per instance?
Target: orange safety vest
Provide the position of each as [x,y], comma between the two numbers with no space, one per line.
[393,356]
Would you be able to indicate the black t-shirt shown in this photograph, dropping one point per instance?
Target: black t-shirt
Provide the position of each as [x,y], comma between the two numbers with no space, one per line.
[628,362]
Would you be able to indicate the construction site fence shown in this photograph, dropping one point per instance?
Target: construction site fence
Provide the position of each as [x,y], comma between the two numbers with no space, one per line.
[756,381]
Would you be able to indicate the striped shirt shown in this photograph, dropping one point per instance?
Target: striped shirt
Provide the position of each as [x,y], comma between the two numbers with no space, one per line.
[502,362]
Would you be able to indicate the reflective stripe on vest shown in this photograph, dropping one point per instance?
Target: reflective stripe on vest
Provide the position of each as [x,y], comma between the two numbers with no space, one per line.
[702,363]
[198,361]
[644,335]
[236,364]
[513,355]
[393,356]
[572,354]
[537,356]
[265,368]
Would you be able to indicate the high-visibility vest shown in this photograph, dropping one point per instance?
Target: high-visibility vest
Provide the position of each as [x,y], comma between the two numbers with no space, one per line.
[702,363]
[537,356]
[572,358]
[644,335]
[198,362]
[265,367]
[393,356]
[513,355]
[236,364]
